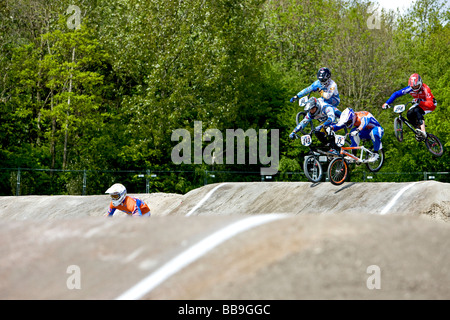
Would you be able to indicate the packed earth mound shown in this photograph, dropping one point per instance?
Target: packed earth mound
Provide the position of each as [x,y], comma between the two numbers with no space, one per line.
[267,240]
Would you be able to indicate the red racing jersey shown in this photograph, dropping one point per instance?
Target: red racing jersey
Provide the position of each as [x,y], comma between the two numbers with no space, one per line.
[424,96]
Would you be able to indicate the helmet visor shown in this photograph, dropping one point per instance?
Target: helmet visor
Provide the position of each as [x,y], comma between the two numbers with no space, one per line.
[313,110]
[115,196]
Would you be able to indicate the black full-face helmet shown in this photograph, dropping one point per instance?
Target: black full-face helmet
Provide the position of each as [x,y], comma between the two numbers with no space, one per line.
[324,75]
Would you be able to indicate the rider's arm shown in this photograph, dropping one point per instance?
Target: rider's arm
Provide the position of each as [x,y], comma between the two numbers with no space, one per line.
[313,87]
[335,127]
[364,122]
[398,94]
[428,104]
[332,88]
[331,116]
[111,210]
[137,208]
[303,123]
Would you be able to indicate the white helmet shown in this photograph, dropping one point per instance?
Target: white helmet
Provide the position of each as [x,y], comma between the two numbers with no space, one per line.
[347,118]
[118,192]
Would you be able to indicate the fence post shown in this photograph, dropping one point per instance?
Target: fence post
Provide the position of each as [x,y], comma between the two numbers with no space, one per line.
[147,182]
[84,182]
[18,182]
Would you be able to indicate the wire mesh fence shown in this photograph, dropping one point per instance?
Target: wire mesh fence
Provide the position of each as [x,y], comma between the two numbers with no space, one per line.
[29,181]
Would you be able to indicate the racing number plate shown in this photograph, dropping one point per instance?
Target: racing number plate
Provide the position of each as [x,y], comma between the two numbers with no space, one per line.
[306,140]
[340,140]
[399,108]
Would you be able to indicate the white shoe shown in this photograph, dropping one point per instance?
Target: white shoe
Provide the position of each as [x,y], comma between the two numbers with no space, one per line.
[421,133]
[374,157]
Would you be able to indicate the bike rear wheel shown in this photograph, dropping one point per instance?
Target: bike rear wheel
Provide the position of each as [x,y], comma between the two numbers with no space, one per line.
[313,169]
[434,145]
[376,166]
[338,171]
[398,129]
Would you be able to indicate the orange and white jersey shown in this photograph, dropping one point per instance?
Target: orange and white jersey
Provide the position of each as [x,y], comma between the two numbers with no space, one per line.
[365,120]
[131,206]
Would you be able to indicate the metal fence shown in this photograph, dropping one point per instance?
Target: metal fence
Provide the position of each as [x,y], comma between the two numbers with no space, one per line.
[29,181]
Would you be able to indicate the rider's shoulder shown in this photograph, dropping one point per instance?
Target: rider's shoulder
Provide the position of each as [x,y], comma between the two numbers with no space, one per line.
[426,87]
[322,102]
[316,84]
[407,89]
[332,83]
[362,114]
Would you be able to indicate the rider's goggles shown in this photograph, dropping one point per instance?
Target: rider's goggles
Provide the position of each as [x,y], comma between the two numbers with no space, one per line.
[115,196]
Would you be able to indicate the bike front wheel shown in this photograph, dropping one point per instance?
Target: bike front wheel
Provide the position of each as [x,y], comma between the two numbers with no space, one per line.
[338,171]
[312,169]
[376,165]
[434,145]
[398,129]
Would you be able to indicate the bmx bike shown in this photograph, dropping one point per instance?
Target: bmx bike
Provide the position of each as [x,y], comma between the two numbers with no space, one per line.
[432,142]
[317,154]
[338,170]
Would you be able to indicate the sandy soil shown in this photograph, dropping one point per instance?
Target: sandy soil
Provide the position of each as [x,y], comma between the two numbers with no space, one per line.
[324,247]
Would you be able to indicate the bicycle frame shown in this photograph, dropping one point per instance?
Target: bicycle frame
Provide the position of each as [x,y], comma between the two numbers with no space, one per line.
[338,168]
[405,121]
[400,109]
[353,158]
[432,142]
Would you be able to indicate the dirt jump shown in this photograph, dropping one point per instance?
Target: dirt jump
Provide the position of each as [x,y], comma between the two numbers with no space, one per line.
[263,240]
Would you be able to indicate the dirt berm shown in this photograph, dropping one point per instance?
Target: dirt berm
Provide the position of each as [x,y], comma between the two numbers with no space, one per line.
[279,241]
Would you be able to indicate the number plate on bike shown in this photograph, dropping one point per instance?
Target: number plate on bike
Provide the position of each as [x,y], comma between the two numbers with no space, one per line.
[302,101]
[399,108]
[340,140]
[306,140]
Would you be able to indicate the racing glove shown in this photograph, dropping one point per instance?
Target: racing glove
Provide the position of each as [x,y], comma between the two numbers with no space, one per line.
[293,99]
[354,133]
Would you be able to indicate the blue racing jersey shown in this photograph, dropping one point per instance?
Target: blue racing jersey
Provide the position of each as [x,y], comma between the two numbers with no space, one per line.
[329,92]
[327,115]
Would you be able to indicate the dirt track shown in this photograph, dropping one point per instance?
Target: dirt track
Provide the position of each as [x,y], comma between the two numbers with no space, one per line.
[322,243]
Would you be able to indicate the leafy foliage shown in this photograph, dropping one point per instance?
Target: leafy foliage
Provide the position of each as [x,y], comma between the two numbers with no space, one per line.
[109,94]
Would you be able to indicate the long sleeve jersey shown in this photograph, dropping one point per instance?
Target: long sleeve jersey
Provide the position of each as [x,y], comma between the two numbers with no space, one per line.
[327,115]
[329,94]
[131,206]
[423,96]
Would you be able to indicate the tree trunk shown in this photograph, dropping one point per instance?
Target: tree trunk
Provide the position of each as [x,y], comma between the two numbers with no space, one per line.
[66,135]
